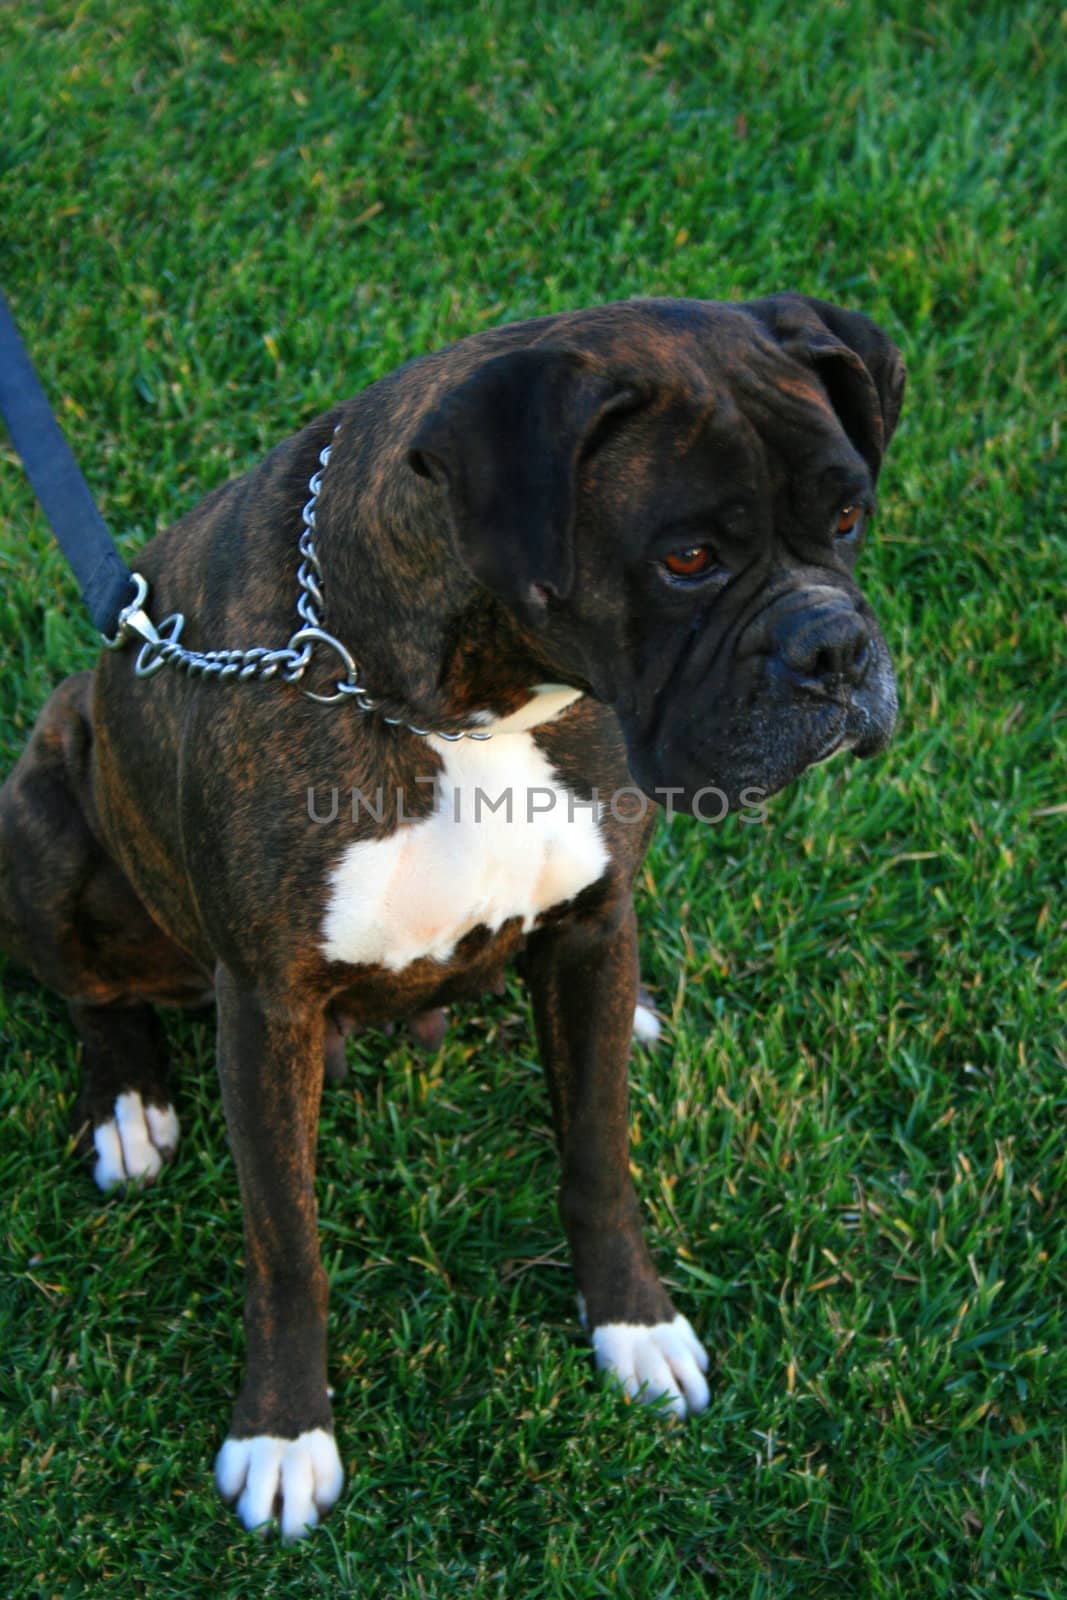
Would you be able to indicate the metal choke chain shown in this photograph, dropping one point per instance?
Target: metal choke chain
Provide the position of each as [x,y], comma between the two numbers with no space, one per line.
[162,647]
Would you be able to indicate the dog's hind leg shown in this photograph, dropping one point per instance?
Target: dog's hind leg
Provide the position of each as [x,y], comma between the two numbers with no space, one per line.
[127,1124]
[69,915]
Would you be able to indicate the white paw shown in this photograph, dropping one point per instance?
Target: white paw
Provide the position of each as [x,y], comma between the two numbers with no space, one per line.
[665,1358]
[304,1474]
[646,1025]
[135,1143]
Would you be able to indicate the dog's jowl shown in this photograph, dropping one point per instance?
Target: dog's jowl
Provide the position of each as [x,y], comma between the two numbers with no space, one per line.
[571,563]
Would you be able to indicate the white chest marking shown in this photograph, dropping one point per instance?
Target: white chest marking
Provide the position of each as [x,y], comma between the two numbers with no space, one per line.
[505,840]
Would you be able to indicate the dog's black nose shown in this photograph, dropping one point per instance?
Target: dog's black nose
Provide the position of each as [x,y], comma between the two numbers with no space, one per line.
[826,647]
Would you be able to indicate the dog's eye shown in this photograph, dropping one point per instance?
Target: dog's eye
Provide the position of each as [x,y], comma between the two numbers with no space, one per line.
[847,519]
[690,563]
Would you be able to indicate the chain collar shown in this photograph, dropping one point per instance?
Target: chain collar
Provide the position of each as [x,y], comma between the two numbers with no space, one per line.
[161,647]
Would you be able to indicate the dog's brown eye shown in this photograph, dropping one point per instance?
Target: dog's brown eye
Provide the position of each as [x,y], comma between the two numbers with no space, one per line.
[689,563]
[848,518]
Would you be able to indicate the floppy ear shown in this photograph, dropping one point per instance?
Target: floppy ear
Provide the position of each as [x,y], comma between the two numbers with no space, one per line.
[506,445]
[860,367]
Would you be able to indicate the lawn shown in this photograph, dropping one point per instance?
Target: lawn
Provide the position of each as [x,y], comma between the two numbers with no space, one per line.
[850,1145]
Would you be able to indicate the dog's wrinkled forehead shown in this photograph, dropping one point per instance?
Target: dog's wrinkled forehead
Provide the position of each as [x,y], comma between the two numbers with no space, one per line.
[789,379]
[743,419]
[605,394]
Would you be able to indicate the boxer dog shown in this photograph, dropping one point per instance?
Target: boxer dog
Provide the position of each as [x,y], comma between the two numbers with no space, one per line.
[618,542]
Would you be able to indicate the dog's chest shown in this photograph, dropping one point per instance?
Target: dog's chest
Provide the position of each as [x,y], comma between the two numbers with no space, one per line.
[506,839]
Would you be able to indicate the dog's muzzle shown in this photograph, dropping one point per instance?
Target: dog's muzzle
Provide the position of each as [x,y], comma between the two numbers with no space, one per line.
[809,676]
[824,646]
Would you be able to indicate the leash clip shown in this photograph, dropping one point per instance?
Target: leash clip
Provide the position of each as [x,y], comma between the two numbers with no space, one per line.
[133,619]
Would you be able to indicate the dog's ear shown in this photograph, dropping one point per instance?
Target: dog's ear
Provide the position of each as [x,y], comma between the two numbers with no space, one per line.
[860,367]
[506,445]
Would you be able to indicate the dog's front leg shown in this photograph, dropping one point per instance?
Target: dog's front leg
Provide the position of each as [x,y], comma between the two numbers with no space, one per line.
[280,1458]
[584,987]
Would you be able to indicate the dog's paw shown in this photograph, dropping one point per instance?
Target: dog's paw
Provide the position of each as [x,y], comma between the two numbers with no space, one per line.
[133,1144]
[663,1359]
[646,1026]
[295,1480]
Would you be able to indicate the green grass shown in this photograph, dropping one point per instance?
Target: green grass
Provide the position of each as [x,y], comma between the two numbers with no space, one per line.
[217,220]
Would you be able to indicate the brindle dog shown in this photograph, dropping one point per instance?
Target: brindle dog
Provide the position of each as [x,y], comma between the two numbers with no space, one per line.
[621,541]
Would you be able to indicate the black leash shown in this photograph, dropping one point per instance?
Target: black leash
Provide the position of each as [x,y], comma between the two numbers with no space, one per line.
[115,597]
[106,583]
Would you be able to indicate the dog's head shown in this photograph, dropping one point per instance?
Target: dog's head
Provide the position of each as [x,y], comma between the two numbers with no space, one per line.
[670,497]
